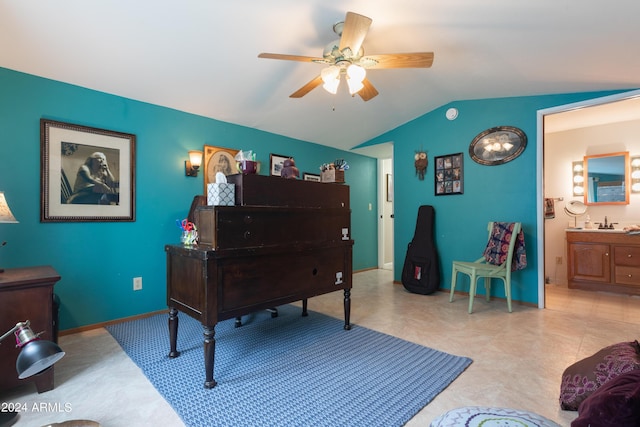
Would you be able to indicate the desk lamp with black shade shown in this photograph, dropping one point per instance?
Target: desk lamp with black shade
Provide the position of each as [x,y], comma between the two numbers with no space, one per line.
[35,355]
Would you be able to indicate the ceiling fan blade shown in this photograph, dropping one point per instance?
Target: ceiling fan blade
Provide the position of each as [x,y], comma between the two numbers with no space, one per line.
[398,60]
[354,31]
[368,91]
[291,57]
[307,88]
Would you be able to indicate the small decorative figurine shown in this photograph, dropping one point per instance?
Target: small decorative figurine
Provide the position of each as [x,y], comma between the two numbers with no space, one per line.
[421,164]
[289,169]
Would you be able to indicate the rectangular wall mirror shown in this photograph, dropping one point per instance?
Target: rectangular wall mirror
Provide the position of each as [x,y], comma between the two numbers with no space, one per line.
[606,179]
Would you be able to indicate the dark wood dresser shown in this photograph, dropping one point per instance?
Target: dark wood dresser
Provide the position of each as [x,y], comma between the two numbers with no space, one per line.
[26,294]
[261,253]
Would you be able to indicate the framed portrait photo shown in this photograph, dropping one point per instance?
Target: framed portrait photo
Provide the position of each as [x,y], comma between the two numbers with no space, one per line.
[86,174]
[218,159]
[277,163]
[449,175]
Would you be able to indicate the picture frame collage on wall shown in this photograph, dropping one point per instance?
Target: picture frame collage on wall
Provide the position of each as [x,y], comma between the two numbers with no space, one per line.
[449,174]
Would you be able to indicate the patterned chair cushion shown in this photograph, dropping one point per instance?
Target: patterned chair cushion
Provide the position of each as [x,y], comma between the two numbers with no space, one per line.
[476,416]
[584,377]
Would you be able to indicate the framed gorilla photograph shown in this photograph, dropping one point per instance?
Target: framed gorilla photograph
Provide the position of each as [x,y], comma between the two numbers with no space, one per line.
[87,174]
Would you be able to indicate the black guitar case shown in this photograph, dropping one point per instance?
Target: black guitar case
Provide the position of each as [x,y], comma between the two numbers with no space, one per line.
[421,271]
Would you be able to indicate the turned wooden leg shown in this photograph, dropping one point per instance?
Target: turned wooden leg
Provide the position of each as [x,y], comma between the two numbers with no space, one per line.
[173,333]
[347,309]
[304,308]
[209,355]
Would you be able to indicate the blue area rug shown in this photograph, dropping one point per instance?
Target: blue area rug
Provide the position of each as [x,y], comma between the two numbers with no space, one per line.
[289,371]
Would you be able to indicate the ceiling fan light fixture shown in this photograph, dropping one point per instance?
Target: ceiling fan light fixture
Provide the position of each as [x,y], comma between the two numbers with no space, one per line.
[331,78]
[354,86]
[356,72]
[355,77]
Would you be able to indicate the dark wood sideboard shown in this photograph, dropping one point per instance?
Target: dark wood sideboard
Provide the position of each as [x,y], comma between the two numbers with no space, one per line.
[260,254]
[26,294]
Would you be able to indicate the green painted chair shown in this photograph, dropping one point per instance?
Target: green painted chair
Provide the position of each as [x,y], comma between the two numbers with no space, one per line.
[481,268]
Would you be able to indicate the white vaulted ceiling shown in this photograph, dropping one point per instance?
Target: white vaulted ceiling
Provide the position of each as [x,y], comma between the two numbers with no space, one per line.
[201,56]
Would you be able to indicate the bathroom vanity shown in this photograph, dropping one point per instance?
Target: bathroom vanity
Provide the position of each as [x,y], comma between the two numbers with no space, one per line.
[603,260]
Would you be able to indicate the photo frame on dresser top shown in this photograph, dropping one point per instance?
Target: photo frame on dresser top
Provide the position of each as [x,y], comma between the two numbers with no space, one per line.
[218,159]
[276,161]
[449,174]
[86,174]
[311,177]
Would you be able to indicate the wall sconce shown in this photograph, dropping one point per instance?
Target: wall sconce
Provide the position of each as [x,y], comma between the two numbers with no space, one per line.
[577,181]
[192,165]
[635,174]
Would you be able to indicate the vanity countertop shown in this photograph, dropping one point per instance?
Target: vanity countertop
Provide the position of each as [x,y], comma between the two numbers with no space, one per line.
[595,230]
[607,231]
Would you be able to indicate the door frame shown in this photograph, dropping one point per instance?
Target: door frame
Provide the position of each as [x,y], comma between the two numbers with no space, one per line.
[540,171]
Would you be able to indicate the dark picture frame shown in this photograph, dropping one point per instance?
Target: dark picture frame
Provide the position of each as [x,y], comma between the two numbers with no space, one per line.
[218,159]
[449,174]
[306,176]
[86,174]
[276,162]
[497,145]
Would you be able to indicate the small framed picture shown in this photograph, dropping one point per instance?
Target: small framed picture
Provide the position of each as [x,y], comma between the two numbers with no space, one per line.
[449,175]
[87,174]
[277,163]
[218,159]
[311,177]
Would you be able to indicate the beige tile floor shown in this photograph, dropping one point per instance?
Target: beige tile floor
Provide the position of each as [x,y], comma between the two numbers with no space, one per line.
[518,357]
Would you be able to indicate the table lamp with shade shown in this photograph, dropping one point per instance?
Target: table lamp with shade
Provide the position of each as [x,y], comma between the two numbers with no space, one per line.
[5,216]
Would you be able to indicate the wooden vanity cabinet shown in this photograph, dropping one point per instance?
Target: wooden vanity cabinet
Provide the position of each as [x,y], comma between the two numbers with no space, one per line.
[601,261]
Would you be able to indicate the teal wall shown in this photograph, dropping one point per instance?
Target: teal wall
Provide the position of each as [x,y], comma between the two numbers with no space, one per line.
[97,261]
[491,193]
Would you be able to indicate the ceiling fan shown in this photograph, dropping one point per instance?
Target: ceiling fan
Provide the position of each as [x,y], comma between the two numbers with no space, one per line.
[346,57]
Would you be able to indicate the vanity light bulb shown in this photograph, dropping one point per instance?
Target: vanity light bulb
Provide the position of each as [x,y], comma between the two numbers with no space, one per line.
[635,174]
[636,187]
[577,168]
[578,190]
[578,179]
[635,163]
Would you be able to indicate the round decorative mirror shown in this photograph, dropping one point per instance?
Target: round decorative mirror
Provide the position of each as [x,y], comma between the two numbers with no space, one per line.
[497,145]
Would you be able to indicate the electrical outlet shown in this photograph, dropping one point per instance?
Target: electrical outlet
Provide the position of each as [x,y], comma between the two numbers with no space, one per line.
[558,260]
[137,283]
